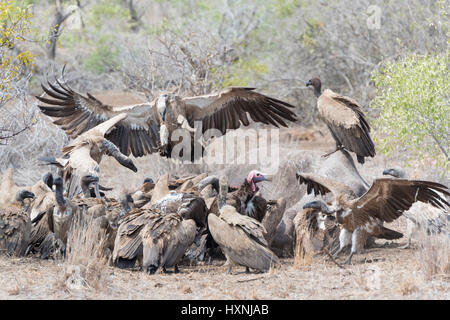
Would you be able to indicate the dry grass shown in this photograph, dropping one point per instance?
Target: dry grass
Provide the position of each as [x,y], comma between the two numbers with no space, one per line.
[85,265]
[433,255]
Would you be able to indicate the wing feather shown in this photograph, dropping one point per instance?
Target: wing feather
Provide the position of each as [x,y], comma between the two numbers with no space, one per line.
[77,114]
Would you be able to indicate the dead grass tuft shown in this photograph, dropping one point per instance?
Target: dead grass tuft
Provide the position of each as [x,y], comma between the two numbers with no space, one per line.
[85,264]
[433,255]
[407,286]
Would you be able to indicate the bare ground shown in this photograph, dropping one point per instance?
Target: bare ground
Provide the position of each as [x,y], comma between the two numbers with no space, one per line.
[379,273]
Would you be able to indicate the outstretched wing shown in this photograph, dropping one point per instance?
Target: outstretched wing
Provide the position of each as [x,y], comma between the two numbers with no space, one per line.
[229,108]
[388,198]
[347,123]
[321,185]
[137,134]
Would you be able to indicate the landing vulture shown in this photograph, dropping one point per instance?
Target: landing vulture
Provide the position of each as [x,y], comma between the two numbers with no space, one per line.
[385,201]
[149,126]
[346,121]
[82,156]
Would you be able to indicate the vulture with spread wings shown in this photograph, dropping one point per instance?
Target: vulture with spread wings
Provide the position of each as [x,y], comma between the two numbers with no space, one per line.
[346,121]
[149,126]
[385,201]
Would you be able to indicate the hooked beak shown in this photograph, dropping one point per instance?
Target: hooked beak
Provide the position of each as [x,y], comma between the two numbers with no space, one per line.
[268,177]
[28,194]
[309,83]
[320,206]
[387,172]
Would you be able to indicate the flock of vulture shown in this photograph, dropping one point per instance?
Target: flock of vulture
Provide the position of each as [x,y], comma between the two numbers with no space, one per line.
[165,223]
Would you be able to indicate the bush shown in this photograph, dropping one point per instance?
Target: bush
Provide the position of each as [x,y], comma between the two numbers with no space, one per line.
[413,106]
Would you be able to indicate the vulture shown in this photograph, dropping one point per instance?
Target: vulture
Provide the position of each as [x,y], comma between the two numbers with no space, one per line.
[83,155]
[346,121]
[15,225]
[64,212]
[157,235]
[240,237]
[363,216]
[421,215]
[245,198]
[315,229]
[148,127]
[41,215]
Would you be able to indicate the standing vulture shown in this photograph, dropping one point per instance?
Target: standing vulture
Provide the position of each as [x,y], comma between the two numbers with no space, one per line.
[346,121]
[15,225]
[385,201]
[82,156]
[149,126]
[240,237]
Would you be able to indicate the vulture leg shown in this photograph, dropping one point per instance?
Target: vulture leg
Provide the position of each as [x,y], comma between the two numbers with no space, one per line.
[340,147]
[349,259]
[175,269]
[229,269]
[345,239]
[247,270]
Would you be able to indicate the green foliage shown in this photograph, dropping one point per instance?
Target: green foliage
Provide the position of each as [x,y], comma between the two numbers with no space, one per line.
[285,8]
[243,72]
[413,102]
[14,26]
[104,58]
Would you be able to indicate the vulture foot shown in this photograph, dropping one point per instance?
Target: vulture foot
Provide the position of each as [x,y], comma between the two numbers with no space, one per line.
[175,269]
[349,259]
[330,153]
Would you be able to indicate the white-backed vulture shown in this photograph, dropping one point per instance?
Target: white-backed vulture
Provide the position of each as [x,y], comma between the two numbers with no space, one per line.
[64,213]
[82,156]
[385,201]
[41,215]
[167,225]
[421,215]
[149,126]
[240,237]
[316,229]
[15,225]
[346,121]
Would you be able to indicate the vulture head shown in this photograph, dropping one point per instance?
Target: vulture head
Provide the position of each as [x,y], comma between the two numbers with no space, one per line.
[90,181]
[24,194]
[148,180]
[161,105]
[318,205]
[395,172]
[316,84]
[125,206]
[48,179]
[255,176]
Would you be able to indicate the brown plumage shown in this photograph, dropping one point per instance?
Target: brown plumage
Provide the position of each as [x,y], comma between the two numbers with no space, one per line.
[385,201]
[158,235]
[346,121]
[81,157]
[315,231]
[240,237]
[15,226]
[148,126]
[246,199]
[274,213]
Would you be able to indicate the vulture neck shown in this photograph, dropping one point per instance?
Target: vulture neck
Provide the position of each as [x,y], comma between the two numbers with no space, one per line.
[318,91]
[223,190]
[59,196]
